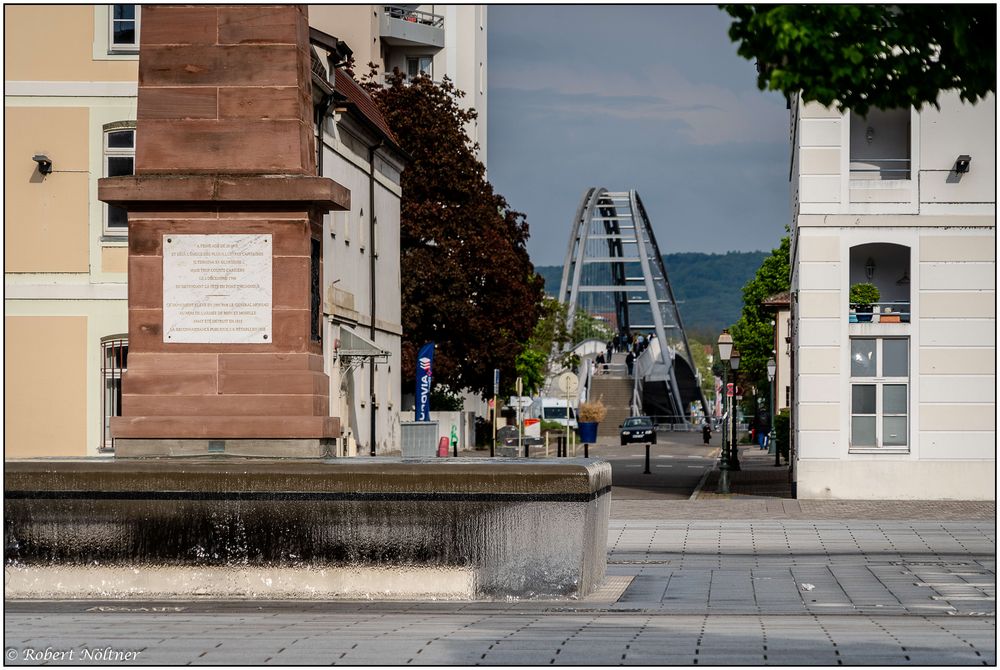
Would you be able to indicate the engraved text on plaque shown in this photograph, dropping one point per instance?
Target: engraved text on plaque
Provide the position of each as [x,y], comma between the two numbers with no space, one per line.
[217,288]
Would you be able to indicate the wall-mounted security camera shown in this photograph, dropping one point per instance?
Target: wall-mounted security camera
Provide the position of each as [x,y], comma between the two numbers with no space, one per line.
[962,163]
[44,163]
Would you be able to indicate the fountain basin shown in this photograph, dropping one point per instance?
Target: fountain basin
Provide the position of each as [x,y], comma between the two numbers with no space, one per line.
[286,528]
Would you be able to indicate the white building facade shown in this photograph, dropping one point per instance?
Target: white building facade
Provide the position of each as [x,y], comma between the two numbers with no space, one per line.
[900,404]
[434,40]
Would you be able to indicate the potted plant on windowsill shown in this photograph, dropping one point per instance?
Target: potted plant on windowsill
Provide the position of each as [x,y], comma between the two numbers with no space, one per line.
[862,297]
[588,415]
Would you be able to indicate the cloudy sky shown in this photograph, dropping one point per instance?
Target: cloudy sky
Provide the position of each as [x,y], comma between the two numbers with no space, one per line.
[646,97]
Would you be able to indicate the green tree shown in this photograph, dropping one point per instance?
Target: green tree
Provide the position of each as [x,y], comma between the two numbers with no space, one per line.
[860,56]
[753,333]
[467,283]
[703,366]
[588,327]
[549,336]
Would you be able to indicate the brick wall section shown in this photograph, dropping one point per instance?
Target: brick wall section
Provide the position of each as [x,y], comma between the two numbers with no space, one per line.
[212,77]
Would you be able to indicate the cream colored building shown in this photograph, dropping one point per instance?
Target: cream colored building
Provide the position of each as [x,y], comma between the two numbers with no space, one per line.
[65,256]
[901,406]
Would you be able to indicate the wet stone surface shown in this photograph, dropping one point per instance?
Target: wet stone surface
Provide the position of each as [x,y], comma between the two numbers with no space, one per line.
[689,593]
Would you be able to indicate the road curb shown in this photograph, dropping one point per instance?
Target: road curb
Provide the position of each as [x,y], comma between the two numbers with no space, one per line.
[704,477]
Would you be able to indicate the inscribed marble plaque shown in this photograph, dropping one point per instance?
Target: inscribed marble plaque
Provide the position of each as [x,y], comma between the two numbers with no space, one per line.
[217,289]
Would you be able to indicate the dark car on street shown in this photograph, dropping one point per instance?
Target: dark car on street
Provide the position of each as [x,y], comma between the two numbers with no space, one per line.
[639,429]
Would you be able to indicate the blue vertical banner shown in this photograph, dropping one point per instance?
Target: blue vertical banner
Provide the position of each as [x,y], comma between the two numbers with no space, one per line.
[425,360]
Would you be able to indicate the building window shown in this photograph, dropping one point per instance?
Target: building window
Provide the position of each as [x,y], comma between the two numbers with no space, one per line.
[119,161]
[887,267]
[114,361]
[880,373]
[420,66]
[123,28]
[880,145]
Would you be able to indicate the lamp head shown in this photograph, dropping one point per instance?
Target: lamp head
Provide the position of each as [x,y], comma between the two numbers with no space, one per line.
[962,163]
[734,359]
[725,345]
[772,367]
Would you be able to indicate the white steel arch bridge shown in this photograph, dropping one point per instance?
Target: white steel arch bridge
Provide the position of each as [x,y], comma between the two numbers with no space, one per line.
[614,270]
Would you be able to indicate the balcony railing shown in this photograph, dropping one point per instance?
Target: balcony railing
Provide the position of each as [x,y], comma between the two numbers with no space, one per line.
[880,168]
[893,311]
[414,16]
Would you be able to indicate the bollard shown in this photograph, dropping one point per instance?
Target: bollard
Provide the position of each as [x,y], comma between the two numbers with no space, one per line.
[646,471]
[526,454]
[443,447]
[560,446]
[586,450]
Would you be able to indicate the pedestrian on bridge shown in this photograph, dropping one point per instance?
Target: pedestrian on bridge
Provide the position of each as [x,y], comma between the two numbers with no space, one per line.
[630,362]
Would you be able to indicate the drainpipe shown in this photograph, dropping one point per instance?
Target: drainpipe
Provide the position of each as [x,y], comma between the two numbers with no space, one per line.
[371,279]
[322,109]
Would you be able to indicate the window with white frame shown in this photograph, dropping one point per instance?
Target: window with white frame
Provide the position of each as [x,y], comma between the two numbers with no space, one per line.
[880,393]
[123,28]
[419,66]
[119,161]
[114,361]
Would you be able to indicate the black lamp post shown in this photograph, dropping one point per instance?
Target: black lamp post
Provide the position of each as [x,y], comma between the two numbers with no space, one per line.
[734,451]
[725,351]
[772,367]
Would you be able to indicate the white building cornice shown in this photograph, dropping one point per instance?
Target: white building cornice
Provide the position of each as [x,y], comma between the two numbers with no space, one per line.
[71,89]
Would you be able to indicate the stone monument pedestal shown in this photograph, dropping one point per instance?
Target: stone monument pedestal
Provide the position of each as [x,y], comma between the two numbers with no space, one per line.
[225,236]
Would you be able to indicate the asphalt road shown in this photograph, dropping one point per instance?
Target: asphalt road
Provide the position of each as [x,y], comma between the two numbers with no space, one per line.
[677,463]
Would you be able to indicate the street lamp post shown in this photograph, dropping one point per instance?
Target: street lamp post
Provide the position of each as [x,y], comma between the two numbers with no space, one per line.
[734,451]
[725,350]
[772,367]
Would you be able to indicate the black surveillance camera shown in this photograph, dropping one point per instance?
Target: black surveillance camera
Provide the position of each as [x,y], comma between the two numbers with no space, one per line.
[962,163]
[44,163]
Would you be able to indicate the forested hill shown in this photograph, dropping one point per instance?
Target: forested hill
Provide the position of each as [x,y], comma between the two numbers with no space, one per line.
[708,287]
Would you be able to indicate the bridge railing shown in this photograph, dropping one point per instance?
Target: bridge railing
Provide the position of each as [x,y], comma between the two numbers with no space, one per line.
[611,369]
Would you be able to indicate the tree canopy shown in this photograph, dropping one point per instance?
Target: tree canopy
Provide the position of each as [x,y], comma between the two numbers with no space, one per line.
[861,56]
[753,334]
[467,282]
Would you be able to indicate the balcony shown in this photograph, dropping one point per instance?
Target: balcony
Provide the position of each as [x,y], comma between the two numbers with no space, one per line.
[402,25]
[885,266]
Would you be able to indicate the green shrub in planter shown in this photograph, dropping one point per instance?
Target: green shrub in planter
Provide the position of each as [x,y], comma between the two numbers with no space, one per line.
[864,295]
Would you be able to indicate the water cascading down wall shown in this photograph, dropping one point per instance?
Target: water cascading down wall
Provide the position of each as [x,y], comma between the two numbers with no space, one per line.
[224,481]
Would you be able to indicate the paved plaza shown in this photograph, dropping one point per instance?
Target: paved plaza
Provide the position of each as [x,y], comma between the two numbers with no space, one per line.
[776,590]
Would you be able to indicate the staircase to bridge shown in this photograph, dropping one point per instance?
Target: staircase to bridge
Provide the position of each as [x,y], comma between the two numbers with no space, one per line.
[615,391]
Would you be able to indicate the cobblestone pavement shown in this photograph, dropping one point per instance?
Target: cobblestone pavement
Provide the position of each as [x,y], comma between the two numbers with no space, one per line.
[775,592]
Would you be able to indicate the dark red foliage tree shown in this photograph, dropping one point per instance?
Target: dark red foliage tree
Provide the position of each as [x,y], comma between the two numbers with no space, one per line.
[467,282]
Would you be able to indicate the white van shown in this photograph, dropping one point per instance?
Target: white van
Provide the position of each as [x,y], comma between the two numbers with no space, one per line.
[558,410]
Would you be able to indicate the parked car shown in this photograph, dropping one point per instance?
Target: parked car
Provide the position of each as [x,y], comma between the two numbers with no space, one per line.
[639,429]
